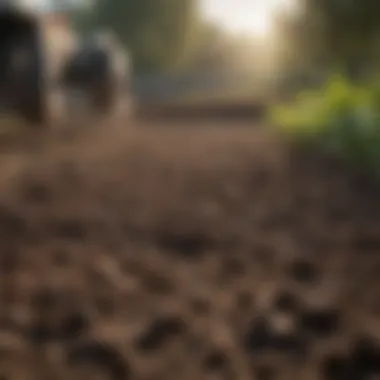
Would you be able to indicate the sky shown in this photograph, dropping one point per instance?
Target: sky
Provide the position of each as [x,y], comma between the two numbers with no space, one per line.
[246,16]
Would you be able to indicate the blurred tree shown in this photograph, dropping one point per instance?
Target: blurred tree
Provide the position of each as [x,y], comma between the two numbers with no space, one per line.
[161,34]
[331,33]
[213,49]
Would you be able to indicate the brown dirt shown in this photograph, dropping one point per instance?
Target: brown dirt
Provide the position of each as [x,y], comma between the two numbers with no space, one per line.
[186,253]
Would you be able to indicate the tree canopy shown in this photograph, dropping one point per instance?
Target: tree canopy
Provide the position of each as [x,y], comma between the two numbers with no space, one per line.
[161,34]
[333,33]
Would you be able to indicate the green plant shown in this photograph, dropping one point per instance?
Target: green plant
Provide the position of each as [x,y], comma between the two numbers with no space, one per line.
[342,116]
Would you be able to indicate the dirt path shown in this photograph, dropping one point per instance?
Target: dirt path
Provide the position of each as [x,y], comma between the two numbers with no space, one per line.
[186,253]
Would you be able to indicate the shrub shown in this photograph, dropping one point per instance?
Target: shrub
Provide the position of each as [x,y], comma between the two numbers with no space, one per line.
[342,116]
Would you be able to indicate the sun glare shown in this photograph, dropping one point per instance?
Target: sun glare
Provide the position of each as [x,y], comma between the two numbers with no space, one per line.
[252,17]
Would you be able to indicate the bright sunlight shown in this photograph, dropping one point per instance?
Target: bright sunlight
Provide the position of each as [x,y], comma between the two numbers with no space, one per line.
[250,17]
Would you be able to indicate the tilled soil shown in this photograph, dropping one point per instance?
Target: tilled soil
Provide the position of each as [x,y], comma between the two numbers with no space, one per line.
[186,253]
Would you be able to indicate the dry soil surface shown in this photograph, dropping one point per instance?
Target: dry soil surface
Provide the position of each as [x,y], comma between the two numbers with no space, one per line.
[190,251]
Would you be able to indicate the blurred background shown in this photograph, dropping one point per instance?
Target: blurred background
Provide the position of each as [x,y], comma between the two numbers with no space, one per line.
[194,48]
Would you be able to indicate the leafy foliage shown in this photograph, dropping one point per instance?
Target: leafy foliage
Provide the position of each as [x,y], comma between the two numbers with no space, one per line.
[342,117]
